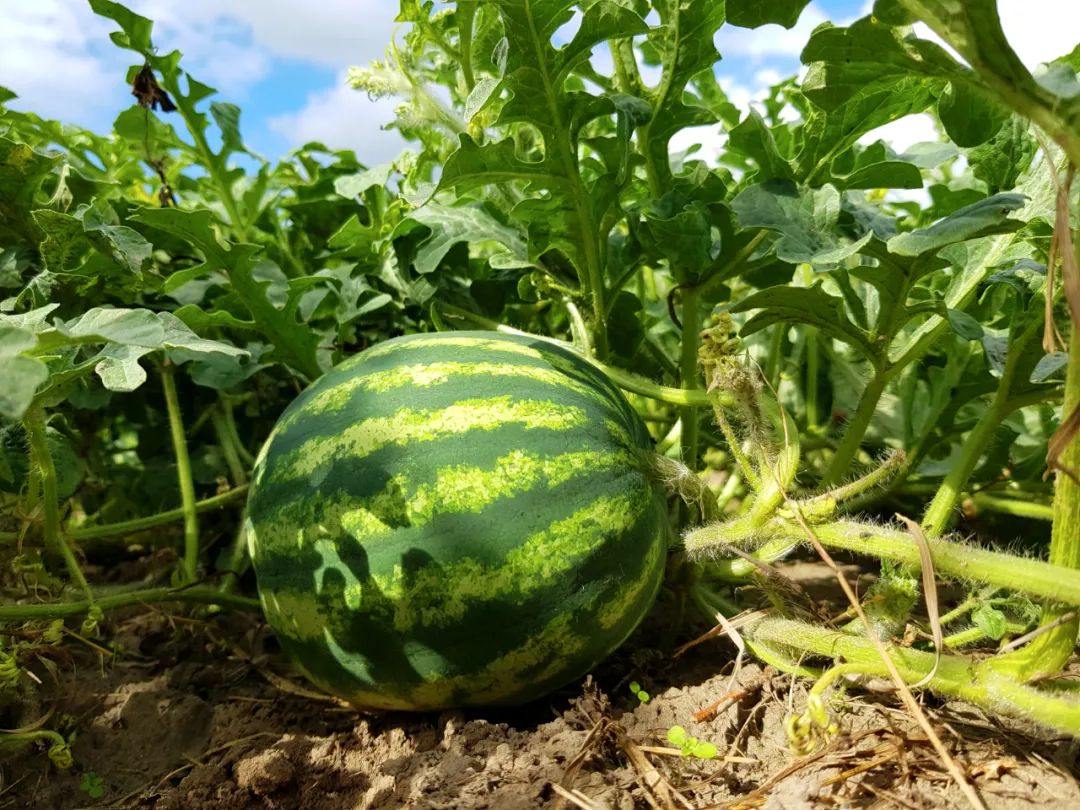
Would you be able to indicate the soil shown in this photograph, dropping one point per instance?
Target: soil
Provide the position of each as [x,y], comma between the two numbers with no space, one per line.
[184,714]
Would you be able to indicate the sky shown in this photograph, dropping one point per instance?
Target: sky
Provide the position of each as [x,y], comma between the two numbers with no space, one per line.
[285,67]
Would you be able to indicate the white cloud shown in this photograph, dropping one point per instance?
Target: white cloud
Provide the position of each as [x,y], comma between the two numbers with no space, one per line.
[55,54]
[903,132]
[923,31]
[1040,30]
[768,76]
[770,40]
[219,50]
[46,57]
[711,139]
[344,118]
[332,33]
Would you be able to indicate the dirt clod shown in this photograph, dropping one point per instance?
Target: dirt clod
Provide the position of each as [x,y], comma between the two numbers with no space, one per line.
[265,772]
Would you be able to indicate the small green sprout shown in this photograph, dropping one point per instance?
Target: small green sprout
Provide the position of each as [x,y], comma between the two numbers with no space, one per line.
[639,693]
[91,785]
[690,746]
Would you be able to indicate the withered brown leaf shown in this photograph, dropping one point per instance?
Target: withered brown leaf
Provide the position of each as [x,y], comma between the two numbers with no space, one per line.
[148,92]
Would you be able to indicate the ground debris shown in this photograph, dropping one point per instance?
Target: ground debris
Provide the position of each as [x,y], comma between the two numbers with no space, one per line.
[205,727]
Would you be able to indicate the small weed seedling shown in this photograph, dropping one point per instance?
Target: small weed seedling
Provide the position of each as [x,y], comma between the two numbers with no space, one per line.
[690,746]
[91,785]
[639,693]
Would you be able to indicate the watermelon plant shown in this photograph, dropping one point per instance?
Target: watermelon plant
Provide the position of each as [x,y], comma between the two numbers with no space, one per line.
[691,366]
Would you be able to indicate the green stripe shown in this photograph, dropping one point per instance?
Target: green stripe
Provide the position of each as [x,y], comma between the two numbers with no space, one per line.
[294,614]
[542,658]
[620,606]
[339,396]
[463,488]
[409,426]
[310,507]
[440,595]
[408,503]
[537,644]
[504,343]
[565,647]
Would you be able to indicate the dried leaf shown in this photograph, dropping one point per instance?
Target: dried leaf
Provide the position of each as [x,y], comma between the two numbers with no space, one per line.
[929,583]
[149,93]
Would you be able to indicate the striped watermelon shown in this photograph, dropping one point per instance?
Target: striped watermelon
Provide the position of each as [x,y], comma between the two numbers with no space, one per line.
[456,519]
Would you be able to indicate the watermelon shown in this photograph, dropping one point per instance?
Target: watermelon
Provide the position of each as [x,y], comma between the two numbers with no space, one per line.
[456,519]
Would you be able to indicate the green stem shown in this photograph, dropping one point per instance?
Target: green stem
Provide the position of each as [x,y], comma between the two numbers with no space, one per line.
[709,602]
[688,373]
[183,473]
[207,159]
[600,319]
[773,366]
[735,448]
[971,635]
[235,564]
[835,673]
[59,750]
[1013,506]
[777,470]
[148,522]
[1049,652]
[230,424]
[940,511]
[578,328]
[466,16]
[911,348]
[840,463]
[282,238]
[41,459]
[733,265]
[228,448]
[860,486]
[626,67]
[564,150]
[1043,579]
[960,610]
[813,411]
[739,569]
[59,610]
[955,675]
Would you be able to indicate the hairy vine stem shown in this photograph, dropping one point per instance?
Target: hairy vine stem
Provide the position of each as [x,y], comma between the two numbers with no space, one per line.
[1049,652]
[957,676]
[1048,580]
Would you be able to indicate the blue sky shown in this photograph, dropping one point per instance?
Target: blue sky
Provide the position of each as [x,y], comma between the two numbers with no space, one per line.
[285,66]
